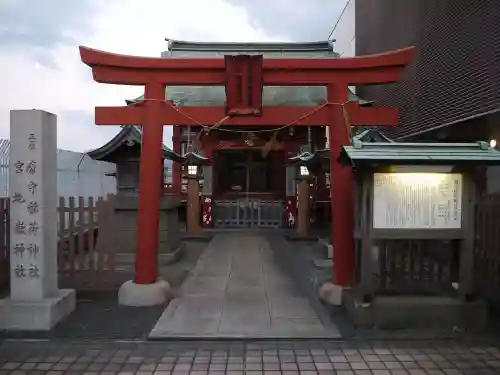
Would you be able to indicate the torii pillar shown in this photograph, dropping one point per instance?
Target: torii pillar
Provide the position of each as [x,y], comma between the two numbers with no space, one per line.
[146,289]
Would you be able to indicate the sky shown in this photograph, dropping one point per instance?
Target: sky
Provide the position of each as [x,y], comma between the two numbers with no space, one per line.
[41,67]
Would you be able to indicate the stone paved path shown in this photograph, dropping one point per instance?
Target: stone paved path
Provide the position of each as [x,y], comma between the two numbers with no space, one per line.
[236,290]
[438,357]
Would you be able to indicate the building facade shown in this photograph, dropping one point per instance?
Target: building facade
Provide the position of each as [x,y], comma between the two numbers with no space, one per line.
[452,89]
[248,182]
[344,30]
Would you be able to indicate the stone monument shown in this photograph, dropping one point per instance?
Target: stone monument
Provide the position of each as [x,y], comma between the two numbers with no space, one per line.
[35,302]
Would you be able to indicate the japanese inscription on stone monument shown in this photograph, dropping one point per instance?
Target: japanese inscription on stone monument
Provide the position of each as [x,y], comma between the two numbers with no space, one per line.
[36,302]
[25,213]
[417,201]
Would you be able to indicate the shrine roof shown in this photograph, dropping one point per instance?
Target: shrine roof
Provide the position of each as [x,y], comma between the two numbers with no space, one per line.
[126,135]
[371,135]
[216,96]
[366,153]
[271,96]
[278,47]
[323,156]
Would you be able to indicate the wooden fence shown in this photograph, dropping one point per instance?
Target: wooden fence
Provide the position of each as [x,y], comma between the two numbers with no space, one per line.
[87,260]
[432,266]
[487,248]
[417,266]
[86,255]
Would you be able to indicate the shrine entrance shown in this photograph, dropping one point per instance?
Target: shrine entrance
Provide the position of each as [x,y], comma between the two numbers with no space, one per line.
[244,77]
[246,190]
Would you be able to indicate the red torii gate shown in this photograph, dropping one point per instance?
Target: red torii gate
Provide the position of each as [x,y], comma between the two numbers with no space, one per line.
[244,76]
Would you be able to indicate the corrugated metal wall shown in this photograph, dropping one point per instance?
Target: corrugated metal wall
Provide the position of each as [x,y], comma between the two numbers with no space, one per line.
[456,74]
[77,174]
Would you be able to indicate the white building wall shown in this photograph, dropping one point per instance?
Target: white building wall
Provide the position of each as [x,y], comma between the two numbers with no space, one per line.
[344,34]
[344,31]
[77,174]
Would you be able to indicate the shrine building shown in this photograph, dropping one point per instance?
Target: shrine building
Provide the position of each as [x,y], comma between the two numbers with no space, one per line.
[250,182]
[124,150]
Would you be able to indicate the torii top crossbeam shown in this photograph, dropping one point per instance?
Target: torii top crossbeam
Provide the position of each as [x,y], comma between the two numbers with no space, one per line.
[244,77]
[380,68]
[375,69]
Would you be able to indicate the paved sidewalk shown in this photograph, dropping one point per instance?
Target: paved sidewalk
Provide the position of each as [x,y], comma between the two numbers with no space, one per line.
[250,358]
[237,291]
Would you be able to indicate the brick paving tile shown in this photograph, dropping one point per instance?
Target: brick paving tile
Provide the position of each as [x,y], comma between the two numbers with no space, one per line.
[250,358]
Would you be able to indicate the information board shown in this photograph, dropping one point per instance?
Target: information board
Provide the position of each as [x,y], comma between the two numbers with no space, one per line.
[417,201]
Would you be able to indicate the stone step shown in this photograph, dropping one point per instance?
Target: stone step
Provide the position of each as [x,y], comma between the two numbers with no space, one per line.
[325,247]
[163,259]
[323,263]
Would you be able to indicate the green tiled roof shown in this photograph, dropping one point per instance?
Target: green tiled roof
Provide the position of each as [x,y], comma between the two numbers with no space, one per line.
[271,95]
[132,133]
[419,153]
[371,135]
[275,49]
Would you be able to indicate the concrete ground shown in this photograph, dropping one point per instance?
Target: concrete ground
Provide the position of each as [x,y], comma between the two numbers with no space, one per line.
[98,316]
[236,290]
[438,357]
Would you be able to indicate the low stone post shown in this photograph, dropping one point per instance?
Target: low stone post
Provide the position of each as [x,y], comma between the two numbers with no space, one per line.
[35,302]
